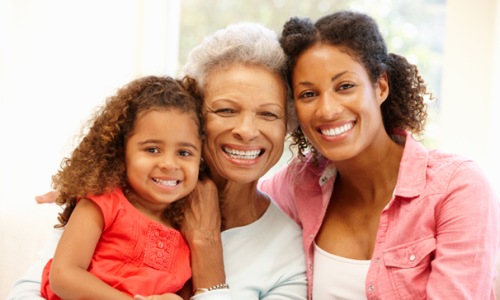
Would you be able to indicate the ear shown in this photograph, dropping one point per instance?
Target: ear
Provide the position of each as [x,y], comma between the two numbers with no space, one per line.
[382,88]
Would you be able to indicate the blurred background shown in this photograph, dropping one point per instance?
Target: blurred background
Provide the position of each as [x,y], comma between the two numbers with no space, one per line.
[59,59]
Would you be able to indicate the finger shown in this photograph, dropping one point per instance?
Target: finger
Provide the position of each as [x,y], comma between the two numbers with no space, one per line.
[49,197]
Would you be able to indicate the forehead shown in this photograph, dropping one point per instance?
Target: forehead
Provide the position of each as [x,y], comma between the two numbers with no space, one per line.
[244,83]
[160,118]
[321,52]
[325,58]
[167,125]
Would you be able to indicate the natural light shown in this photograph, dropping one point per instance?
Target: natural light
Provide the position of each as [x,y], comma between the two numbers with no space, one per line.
[60,59]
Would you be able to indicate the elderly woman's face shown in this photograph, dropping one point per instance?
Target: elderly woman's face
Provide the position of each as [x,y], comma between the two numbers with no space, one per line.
[244,108]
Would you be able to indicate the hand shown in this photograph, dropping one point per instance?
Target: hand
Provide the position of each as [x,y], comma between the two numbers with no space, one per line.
[168,296]
[201,228]
[49,197]
[202,219]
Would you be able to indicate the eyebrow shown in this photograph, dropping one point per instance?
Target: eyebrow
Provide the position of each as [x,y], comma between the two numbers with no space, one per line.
[335,77]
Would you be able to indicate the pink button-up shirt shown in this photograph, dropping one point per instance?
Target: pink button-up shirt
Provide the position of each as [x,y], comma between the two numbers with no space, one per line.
[438,238]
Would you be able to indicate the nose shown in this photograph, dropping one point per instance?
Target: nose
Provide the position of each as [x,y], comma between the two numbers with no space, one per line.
[246,127]
[328,107]
[168,161]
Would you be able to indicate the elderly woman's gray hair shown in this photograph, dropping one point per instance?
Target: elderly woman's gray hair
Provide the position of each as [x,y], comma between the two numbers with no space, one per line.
[242,43]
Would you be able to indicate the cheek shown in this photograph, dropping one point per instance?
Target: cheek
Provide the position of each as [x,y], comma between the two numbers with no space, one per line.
[302,112]
[277,136]
[209,144]
[193,175]
[134,168]
[304,122]
[213,129]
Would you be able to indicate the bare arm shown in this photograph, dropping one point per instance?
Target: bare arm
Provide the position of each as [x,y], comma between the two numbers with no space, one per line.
[69,277]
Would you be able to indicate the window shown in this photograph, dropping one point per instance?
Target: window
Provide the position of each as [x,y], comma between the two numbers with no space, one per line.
[414,29]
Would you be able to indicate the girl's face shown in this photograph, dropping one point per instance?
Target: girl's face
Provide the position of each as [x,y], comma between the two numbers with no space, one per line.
[338,107]
[162,157]
[244,109]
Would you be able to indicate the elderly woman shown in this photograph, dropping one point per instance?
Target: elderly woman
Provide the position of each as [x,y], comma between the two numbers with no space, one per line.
[247,248]
[240,73]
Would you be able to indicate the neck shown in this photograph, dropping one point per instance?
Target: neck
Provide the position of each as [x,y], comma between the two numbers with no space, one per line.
[372,176]
[242,204]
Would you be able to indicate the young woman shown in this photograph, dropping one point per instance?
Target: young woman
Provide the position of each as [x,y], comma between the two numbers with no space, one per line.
[383,217]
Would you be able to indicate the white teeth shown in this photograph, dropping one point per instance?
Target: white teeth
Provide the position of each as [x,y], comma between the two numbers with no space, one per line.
[338,130]
[165,182]
[239,154]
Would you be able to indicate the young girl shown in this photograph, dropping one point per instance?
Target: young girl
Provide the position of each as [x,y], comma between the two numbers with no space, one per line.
[122,190]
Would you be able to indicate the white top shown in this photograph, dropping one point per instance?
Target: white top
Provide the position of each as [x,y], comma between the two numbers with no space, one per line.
[338,278]
[262,260]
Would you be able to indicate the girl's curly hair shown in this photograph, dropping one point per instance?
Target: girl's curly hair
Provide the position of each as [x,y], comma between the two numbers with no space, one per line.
[359,36]
[97,165]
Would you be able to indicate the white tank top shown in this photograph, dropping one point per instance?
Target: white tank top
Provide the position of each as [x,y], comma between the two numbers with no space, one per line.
[339,278]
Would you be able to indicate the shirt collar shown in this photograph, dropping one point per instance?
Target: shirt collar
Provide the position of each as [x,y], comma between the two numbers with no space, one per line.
[329,172]
[412,169]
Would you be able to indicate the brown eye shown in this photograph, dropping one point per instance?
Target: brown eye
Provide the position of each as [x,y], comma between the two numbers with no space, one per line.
[152,150]
[346,86]
[225,112]
[306,94]
[184,153]
[269,115]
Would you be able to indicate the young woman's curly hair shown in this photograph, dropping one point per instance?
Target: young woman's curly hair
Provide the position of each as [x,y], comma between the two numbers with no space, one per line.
[359,36]
[97,165]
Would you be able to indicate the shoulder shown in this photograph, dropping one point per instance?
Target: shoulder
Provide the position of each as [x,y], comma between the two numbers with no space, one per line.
[109,201]
[454,175]
[113,205]
[278,216]
[444,167]
[297,171]
[435,170]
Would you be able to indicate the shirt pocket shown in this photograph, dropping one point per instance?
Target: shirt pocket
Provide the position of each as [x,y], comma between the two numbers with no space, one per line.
[408,267]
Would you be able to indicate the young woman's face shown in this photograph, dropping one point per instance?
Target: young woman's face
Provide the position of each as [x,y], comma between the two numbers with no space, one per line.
[162,157]
[337,105]
[244,109]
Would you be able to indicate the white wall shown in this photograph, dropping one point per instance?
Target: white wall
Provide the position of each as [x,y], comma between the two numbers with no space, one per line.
[470,101]
[58,60]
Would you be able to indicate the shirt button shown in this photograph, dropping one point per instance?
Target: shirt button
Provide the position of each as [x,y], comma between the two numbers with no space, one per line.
[160,245]
[376,260]
[311,236]
[412,257]
[310,266]
[371,288]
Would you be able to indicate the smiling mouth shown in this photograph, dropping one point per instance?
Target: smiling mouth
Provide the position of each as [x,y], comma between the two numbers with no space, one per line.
[241,154]
[337,130]
[166,182]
